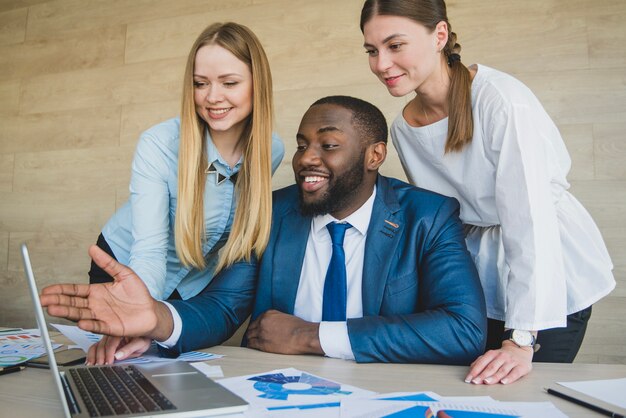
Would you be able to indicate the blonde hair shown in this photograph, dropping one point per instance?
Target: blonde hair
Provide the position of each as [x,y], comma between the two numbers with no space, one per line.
[429,13]
[251,226]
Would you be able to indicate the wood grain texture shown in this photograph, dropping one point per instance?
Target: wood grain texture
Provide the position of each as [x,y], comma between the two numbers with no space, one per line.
[101,169]
[6,172]
[13,26]
[609,151]
[136,118]
[91,49]
[80,80]
[4,250]
[62,18]
[64,130]
[7,5]
[134,83]
[10,94]
[55,212]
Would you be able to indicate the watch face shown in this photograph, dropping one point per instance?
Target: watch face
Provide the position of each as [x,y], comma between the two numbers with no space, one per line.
[522,338]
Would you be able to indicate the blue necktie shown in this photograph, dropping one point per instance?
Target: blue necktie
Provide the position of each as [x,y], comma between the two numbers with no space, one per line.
[335,285]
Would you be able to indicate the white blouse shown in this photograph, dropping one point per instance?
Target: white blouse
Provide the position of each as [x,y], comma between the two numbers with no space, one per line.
[539,254]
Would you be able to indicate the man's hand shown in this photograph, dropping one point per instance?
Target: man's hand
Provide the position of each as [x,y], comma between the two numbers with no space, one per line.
[123,308]
[505,365]
[109,349]
[277,332]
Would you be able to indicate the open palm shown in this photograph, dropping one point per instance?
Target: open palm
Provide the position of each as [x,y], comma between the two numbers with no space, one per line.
[123,308]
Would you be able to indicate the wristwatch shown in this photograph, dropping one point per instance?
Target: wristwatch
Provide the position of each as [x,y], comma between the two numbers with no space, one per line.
[521,338]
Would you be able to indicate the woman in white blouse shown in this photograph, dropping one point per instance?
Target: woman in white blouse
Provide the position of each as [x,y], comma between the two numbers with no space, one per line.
[481,136]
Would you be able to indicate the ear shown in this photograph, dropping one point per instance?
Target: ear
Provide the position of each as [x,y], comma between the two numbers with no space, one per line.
[375,156]
[441,35]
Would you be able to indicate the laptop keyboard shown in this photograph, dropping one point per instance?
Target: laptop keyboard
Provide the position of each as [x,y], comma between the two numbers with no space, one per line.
[117,390]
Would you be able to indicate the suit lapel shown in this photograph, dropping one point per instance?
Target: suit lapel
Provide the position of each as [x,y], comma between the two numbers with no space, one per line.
[383,235]
[288,259]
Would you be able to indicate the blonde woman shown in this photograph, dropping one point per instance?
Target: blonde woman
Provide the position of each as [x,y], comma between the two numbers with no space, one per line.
[200,190]
[481,136]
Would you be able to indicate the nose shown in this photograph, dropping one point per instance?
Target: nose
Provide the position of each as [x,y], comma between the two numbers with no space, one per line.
[309,157]
[214,94]
[380,63]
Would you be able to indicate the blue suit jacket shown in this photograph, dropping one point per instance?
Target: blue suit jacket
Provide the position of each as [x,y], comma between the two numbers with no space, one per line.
[422,300]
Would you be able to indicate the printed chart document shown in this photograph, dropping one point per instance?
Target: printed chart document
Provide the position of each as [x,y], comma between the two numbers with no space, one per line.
[19,346]
[605,396]
[427,404]
[291,392]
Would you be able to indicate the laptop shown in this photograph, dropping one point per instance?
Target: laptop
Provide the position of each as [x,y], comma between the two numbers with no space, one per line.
[173,389]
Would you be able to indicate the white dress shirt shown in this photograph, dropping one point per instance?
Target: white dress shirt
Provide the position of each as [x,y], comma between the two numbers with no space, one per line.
[539,254]
[309,298]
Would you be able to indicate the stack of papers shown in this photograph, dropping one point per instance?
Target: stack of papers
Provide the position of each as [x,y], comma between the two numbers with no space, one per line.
[291,392]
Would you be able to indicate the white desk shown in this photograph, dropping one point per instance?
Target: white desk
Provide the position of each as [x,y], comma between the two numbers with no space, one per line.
[30,393]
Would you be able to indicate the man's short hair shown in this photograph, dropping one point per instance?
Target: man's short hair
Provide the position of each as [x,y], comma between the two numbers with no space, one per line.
[367,118]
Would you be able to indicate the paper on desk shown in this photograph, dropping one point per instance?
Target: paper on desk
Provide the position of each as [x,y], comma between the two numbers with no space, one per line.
[21,346]
[427,404]
[208,370]
[288,387]
[610,390]
[85,339]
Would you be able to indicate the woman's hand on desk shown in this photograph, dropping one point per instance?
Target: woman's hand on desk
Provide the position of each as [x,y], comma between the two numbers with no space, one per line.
[109,349]
[505,365]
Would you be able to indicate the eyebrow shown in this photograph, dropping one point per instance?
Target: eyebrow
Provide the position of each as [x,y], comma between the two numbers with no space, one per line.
[328,129]
[220,76]
[387,39]
[320,131]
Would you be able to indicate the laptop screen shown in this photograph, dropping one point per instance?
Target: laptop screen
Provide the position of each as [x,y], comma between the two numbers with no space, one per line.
[43,328]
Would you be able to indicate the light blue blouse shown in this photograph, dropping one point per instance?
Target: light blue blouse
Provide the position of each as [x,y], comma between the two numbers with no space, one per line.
[141,232]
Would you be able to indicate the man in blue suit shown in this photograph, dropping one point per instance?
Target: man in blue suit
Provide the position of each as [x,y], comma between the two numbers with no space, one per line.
[396,285]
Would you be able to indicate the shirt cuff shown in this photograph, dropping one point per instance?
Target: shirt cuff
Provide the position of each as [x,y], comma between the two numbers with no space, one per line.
[335,341]
[178,328]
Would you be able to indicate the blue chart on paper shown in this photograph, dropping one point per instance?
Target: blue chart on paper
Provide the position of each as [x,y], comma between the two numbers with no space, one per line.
[279,386]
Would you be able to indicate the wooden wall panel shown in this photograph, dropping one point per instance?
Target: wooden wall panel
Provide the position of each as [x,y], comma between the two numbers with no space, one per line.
[80,80]
[4,250]
[54,212]
[10,94]
[53,255]
[13,26]
[136,118]
[607,37]
[63,17]
[101,169]
[7,5]
[74,129]
[135,83]
[581,96]
[609,150]
[6,172]
[91,49]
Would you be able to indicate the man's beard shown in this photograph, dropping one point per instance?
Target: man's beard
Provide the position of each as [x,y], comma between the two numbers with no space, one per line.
[339,195]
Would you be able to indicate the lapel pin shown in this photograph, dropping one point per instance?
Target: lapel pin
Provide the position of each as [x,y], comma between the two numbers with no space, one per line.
[392,224]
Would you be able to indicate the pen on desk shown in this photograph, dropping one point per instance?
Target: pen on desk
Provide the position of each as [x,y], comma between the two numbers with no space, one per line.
[583,403]
[12,369]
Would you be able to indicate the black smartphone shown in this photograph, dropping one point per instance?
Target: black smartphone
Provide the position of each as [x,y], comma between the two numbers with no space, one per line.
[64,358]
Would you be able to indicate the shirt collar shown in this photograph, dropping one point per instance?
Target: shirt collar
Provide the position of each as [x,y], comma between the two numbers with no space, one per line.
[359,219]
